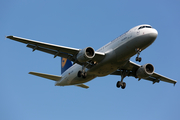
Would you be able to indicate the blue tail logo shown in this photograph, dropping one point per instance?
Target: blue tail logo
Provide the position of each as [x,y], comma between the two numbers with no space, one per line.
[65,64]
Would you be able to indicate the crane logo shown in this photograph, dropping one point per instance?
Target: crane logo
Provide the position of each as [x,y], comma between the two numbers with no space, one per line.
[63,63]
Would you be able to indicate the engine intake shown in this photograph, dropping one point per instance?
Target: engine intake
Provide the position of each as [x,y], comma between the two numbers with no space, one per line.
[85,54]
[145,71]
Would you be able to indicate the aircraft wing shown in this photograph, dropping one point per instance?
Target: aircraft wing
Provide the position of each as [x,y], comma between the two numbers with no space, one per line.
[155,77]
[56,50]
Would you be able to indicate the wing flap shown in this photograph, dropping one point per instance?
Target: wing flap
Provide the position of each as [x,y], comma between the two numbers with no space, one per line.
[53,52]
[47,76]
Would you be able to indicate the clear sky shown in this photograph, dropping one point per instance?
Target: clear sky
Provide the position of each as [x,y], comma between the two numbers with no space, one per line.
[79,24]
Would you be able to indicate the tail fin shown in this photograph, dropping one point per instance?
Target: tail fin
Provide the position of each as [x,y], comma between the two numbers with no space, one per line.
[65,64]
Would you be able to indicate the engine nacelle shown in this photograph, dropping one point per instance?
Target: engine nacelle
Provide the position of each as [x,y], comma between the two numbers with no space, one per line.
[145,71]
[85,54]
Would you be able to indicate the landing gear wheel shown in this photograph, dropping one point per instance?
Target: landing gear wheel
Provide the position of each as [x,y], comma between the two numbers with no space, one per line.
[138,59]
[123,85]
[84,75]
[118,85]
[79,74]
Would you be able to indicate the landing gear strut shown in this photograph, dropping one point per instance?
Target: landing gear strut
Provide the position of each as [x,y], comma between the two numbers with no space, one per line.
[138,53]
[122,84]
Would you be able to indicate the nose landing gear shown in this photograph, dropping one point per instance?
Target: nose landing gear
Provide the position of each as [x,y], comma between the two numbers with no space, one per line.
[138,53]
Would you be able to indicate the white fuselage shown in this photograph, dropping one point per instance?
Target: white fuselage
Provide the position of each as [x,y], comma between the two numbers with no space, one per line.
[118,52]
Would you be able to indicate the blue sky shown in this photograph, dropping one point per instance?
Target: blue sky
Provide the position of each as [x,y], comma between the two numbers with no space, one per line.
[79,24]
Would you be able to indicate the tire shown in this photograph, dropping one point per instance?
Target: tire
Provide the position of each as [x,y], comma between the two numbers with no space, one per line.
[118,85]
[137,59]
[79,74]
[123,85]
[84,75]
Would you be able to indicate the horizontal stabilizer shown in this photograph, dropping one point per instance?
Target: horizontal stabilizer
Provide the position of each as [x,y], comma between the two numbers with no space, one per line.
[83,86]
[47,76]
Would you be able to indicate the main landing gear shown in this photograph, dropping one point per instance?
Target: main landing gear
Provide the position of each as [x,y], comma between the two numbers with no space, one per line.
[82,73]
[122,84]
[138,53]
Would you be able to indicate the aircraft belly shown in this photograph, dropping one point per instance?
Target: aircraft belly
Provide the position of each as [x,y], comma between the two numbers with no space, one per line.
[106,70]
[107,66]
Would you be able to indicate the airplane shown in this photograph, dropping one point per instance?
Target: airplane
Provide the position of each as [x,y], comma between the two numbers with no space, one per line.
[111,59]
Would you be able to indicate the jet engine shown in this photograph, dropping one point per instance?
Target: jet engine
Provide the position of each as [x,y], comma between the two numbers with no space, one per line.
[85,54]
[145,71]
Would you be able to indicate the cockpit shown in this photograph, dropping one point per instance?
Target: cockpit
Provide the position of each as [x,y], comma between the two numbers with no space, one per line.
[144,27]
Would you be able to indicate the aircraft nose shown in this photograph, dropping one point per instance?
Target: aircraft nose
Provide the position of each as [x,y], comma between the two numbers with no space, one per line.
[150,35]
[153,33]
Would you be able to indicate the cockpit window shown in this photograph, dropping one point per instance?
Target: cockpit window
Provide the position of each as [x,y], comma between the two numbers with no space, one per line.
[144,27]
[148,27]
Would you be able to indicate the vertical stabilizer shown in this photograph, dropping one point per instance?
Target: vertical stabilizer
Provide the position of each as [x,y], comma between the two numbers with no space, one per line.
[65,64]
